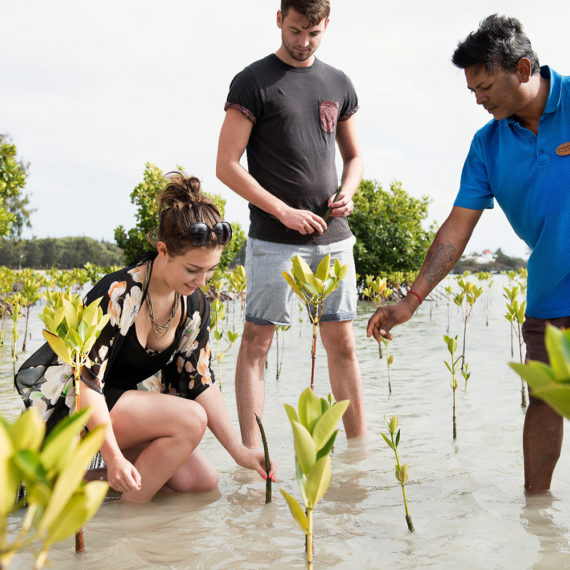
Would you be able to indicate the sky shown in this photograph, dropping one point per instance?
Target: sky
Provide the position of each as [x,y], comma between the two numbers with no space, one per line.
[91,92]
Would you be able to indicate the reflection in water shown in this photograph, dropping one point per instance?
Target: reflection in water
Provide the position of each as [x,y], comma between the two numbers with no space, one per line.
[538,516]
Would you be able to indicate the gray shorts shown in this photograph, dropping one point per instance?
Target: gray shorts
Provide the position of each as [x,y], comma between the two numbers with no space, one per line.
[269,297]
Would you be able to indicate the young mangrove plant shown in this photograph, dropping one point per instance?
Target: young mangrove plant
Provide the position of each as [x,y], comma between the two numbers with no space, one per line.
[377,290]
[71,329]
[31,294]
[515,315]
[314,433]
[401,470]
[313,289]
[452,367]
[279,350]
[16,304]
[267,459]
[468,294]
[217,314]
[237,284]
[551,383]
[57,502]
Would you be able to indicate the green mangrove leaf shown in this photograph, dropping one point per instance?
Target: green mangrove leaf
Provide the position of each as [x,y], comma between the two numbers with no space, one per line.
[27,432]
[559,361]
[301,270]
[537,374]
[38,494]
[70,314]
[556,395]
[319,285]
[326,449]
[291,413]
[82,505]
[324,267]
[71,475]
[309,409]
[403,473]
[318,480]
[304,447]
[326,424]
[341,273]
[300,477]
[296,511]
[8,473]
[393,424]
[293,285]
[30,465]
[390,444]
[58,346]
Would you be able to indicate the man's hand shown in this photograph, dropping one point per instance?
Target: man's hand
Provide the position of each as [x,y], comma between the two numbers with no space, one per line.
[303,221]
[381,322]
[342,208]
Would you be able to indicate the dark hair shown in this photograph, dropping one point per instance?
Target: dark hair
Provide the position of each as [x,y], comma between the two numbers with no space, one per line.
[181,204]
[499,41]
[314,10]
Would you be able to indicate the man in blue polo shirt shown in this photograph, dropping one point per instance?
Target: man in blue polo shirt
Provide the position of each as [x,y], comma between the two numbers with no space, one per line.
[521,159]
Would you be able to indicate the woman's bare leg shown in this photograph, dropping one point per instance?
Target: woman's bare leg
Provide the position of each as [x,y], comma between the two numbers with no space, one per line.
[172,428]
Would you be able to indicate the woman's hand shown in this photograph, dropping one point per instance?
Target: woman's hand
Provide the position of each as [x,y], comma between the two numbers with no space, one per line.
[123,476]
[253,459]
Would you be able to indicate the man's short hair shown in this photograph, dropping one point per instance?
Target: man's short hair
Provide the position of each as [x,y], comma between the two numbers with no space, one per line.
[314,10]
[499,41]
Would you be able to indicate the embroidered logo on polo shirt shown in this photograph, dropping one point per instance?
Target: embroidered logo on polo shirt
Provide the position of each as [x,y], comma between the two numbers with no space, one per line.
[563,149]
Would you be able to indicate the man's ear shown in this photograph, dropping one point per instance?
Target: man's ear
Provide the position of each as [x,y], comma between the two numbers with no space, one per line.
[524,69]
[279,19]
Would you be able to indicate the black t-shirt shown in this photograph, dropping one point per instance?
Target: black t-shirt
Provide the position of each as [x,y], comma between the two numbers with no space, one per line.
[291,150]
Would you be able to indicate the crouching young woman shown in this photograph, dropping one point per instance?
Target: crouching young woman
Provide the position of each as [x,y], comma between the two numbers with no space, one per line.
[150,378]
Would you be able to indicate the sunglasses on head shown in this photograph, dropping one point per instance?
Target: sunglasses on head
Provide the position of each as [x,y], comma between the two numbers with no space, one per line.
[200,233]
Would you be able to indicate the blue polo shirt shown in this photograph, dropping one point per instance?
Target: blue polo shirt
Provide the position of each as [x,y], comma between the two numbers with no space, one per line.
[531,183]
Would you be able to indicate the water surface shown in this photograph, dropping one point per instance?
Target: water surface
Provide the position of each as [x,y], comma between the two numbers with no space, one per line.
[466,496]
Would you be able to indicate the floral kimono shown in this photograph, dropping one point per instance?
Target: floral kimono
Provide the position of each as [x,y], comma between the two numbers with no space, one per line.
[46,382]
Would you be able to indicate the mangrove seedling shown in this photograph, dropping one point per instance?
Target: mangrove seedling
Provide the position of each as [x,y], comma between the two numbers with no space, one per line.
[389,361]
[71,331]
[313,289]
[376,290]
[217,313]
[314,433]
[279,350]
[401,470]
[452,367]
[31,285]
[469,293]
[237,284]
[16,304]
[551,383]
[58,502]
[267,460]
[515,315]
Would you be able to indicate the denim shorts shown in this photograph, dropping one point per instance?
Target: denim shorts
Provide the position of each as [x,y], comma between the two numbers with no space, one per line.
[269,297]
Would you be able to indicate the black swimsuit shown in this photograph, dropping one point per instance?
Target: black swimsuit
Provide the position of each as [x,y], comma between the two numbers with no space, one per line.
[134,363]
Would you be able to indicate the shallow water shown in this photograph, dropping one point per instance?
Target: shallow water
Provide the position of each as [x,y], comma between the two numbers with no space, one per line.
[466,497]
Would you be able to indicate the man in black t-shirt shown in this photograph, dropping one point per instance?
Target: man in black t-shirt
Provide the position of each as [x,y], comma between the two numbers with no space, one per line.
[290,110]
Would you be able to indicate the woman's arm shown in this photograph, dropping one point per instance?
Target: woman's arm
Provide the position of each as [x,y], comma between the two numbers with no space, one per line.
[221,426]
[122,475]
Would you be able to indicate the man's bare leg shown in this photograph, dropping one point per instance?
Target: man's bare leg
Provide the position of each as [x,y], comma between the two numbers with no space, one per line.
[344,372]
[542,442]
[249,380]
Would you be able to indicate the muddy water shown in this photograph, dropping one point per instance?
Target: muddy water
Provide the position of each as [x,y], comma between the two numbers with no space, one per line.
[465,496]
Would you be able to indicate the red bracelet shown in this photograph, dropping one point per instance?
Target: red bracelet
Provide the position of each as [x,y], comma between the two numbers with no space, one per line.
[415,295]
